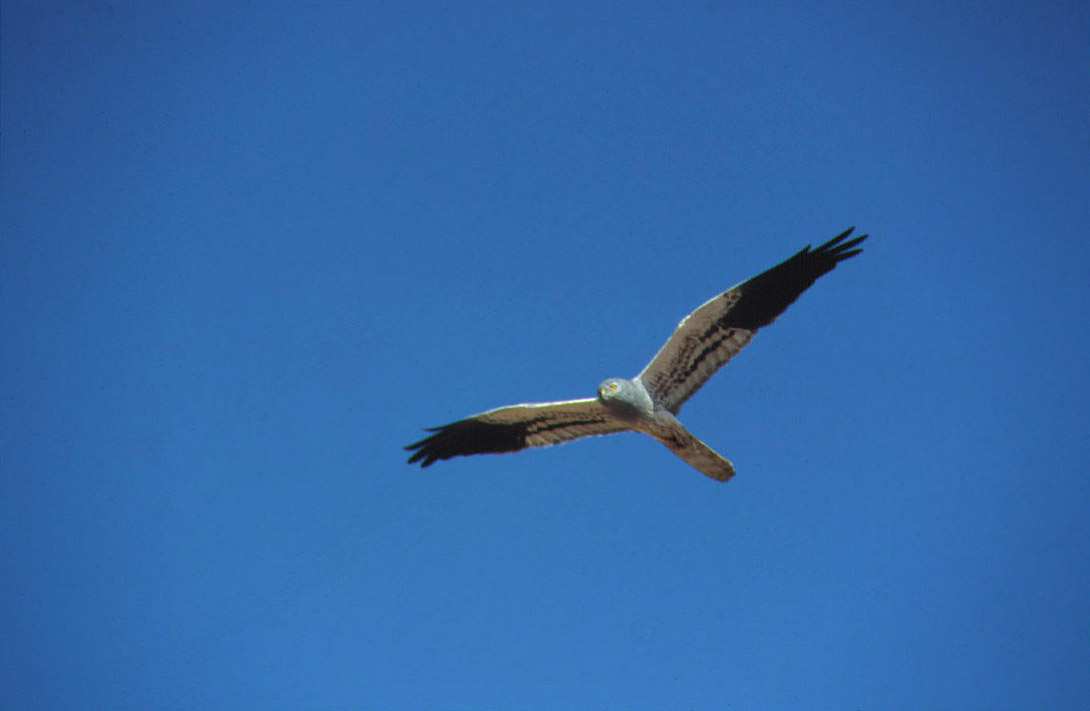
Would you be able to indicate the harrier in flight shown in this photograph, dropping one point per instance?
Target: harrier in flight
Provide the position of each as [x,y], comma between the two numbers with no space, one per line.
[704,340]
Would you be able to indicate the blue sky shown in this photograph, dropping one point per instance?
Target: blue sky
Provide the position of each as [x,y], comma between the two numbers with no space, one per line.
[249,251]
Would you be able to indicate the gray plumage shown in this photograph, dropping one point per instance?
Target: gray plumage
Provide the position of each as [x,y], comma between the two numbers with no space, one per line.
[702,343]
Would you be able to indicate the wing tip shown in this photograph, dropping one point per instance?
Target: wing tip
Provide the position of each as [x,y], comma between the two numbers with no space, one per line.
[838,249]
[424,458]
[424,450]
[837,244]
[466,437]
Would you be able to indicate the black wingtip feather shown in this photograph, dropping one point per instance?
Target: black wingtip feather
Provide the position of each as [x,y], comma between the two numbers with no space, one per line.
[837,246]
[465,437]
[767,295]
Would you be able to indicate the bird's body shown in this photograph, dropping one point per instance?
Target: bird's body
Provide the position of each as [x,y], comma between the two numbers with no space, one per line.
[703,342]
[631,403]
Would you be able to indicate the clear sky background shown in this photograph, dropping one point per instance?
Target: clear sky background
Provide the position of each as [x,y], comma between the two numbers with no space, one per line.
[250,250]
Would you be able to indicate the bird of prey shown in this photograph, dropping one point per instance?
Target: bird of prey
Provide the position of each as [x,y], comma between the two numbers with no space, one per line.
[703,341]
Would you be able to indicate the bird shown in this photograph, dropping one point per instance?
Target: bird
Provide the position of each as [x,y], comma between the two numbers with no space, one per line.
[649,403]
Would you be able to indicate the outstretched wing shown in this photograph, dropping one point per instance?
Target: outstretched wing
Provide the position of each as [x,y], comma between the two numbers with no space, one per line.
[710,336]
[515,427]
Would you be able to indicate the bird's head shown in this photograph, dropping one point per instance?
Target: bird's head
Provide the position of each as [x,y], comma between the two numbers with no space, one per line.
[625,398]
[609,389]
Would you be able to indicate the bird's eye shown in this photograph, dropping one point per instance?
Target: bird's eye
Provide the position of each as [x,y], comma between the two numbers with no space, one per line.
[613,387]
